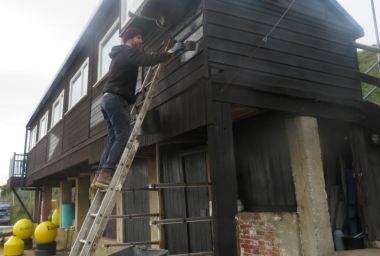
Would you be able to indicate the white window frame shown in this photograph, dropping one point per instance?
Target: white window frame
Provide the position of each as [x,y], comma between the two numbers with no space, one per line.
[79,75]
[107,36]
[125,8]
[33,138]
[60,101]
[43,128]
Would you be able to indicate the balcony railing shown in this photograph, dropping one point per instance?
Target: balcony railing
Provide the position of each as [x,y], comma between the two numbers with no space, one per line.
[16,164]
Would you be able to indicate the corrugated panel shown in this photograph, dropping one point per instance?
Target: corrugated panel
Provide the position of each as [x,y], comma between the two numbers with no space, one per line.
[137,230]
[263,167]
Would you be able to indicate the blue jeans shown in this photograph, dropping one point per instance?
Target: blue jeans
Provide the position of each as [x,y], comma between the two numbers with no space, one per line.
[117,116]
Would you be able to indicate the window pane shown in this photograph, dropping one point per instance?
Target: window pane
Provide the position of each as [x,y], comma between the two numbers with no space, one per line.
[106,49]
[75,92]
[43,128]
[124,11]
[85,80]
[56,112]
[133,5]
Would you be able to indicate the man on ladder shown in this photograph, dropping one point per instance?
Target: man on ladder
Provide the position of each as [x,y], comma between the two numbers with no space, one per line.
[118,94]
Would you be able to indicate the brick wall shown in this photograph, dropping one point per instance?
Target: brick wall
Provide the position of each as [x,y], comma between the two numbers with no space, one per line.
[268,234]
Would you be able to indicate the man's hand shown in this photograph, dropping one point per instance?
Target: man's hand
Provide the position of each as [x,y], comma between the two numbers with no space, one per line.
[178,47]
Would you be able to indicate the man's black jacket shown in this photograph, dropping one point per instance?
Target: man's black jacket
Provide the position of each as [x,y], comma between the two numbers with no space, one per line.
[123,71]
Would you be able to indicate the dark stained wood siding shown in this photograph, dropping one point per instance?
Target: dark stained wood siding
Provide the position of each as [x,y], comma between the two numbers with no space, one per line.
[263,167]
[300,58]
[55,141]
[41,152]
[76,128]
[200,234]
[174,202]
[137,230]
[367,173]
[30,161]
[180,114]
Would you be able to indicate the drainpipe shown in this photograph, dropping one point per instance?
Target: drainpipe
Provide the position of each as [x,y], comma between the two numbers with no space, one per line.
[22,183]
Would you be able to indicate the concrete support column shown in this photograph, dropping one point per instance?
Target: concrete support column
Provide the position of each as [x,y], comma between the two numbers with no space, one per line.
[65,188]
[305,154]
[82,200]
[46,202]
[35,208]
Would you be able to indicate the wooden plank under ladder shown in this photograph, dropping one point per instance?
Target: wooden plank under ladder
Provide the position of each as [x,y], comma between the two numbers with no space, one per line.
[104,201]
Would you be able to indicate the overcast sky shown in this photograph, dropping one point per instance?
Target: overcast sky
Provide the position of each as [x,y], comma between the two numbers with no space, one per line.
[37,35]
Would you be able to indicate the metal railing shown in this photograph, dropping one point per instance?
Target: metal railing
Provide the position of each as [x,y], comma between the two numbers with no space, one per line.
[377,63]
[15,165]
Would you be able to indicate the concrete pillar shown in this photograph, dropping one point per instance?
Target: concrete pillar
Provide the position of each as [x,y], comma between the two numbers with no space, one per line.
[65,194]
[46,202]
[305,154]
[82,200]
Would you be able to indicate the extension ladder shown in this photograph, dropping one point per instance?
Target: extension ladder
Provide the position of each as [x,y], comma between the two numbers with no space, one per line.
[105,200]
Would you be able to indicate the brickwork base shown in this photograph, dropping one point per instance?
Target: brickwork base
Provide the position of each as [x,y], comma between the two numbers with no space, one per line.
[268,234]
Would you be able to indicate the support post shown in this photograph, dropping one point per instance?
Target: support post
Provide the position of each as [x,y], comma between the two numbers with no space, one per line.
[223,178]
[36,204]
[307,168]
[153,200]
[65,194]
[120,223]
[46,202]
[82,200]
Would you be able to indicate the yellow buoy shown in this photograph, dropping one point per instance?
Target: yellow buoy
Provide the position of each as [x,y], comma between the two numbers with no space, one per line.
[14,246]
[45,232]
[56,218]
[23,229]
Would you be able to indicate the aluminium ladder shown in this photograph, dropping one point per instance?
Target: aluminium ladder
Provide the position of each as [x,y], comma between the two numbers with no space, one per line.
[104,201]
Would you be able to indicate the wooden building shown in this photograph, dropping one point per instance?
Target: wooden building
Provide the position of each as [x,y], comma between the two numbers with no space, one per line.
[273,122]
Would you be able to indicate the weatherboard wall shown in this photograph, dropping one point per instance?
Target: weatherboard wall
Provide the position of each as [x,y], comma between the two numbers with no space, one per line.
[308,55]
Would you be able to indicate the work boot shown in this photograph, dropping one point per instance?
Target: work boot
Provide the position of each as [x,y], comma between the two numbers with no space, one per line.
[104,180]
[94,181]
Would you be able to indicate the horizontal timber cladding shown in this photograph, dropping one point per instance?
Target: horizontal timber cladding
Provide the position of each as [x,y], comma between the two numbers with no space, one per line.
[97,123]
[137,230]
[301,59]
[184,65]
[30,161]
[263,167]
[41,152]
[182,113]
[55,141]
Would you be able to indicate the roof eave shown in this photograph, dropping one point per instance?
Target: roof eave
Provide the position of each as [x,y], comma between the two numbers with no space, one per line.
[337,7]
[74,52]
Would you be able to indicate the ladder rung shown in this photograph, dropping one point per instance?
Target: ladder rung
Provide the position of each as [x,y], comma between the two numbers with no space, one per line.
[177,221]
[134,216]
[129,244]
[138,189]
[148,84]
[194,254]
[179,185]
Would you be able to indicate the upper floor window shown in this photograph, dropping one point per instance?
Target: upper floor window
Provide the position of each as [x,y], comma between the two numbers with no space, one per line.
[129,5]
[33,138]
[109,40]
[78,85]
[57,109]
[43,125]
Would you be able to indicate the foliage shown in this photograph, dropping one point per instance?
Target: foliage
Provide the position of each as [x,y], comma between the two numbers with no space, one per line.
[17,212]
[366,60]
